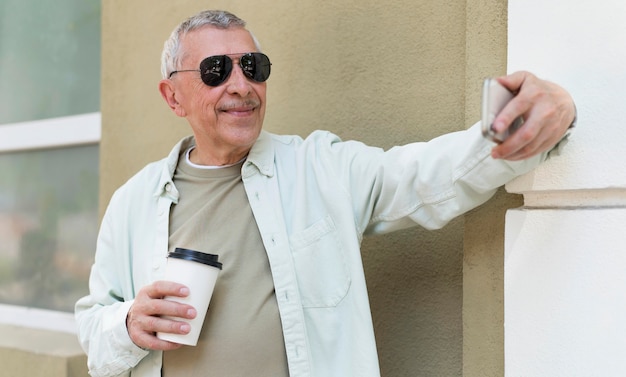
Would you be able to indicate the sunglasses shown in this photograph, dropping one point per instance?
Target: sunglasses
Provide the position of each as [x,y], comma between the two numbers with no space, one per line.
[214,70]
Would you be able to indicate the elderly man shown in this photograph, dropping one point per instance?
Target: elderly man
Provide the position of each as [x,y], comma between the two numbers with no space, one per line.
[285,214]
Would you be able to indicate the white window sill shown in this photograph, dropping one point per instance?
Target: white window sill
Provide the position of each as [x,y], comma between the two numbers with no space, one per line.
[51,133]
[37,318]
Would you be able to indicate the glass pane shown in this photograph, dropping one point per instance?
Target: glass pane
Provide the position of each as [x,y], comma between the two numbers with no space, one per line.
[49,58]
[48,225]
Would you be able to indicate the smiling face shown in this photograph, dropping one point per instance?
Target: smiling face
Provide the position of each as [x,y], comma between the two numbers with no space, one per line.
[227,119]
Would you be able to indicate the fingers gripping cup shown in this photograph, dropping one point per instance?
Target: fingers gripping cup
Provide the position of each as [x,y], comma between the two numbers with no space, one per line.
[198,271]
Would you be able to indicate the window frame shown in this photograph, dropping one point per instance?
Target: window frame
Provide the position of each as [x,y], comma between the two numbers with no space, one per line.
[62,132]
[59,132]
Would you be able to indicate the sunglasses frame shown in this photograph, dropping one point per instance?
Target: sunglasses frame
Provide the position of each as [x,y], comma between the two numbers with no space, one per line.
[216,69]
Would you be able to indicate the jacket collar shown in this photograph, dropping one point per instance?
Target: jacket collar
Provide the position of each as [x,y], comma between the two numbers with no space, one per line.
[260,158]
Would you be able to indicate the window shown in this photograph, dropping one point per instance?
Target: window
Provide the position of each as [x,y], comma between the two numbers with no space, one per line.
[49,135]
[49,59]
[48,211]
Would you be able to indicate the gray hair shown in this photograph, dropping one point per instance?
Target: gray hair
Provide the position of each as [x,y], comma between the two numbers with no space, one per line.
[170,57]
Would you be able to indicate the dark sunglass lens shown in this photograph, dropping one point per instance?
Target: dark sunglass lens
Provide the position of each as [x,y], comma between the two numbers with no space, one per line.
[256,66]
[248,65]
[263,67]
[214,70]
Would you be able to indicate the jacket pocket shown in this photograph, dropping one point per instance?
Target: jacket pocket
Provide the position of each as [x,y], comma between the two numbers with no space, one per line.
[320,264]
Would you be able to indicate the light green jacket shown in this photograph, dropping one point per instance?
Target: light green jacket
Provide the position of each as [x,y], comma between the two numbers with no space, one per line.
[313,200]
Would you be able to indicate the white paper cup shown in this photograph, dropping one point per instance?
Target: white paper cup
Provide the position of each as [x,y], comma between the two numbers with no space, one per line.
[198,271]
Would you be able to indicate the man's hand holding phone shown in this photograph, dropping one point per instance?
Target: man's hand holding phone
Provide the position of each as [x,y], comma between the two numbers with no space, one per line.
[528,122]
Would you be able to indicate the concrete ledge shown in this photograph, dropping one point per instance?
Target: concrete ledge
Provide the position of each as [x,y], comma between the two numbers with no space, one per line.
[40,353]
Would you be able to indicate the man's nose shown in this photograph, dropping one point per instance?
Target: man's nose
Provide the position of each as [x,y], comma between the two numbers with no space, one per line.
[238,82]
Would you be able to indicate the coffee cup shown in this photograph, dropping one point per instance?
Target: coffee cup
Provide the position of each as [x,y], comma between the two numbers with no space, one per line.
[198,271]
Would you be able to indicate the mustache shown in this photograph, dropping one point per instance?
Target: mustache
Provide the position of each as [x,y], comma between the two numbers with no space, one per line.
[246,103]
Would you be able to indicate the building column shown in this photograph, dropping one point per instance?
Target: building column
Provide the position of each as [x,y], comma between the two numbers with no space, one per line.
[565,249]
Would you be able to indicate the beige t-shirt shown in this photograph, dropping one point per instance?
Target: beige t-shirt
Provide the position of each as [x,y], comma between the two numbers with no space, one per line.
[242,334]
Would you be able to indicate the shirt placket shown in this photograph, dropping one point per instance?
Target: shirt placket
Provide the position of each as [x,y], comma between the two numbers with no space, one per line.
[262,194]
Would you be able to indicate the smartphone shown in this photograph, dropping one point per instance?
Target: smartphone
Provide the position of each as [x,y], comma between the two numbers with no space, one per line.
[495,97]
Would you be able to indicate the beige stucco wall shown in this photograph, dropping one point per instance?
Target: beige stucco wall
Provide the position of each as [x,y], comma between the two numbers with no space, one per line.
[483,259]
[384,72]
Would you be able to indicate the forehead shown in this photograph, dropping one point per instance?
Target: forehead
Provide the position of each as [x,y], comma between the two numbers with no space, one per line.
[209,40]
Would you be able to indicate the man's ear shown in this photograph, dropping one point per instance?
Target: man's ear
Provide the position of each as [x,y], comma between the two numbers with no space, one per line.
[168,92]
